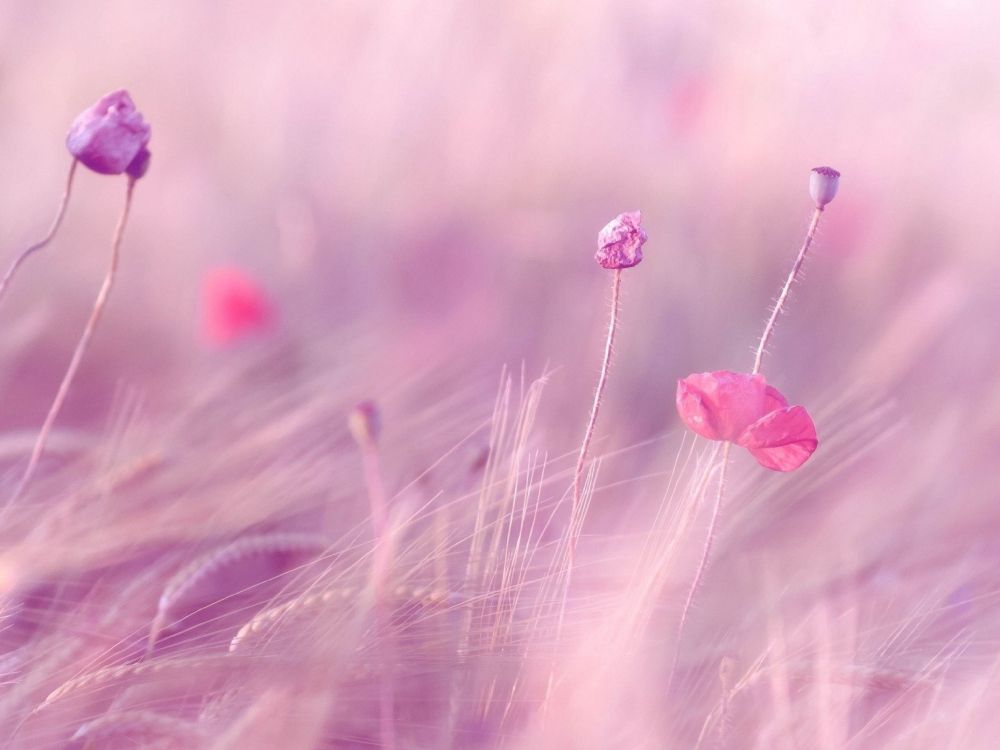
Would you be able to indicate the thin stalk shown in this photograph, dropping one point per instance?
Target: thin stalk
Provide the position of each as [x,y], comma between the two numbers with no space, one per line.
[81,347]
[56,223]
[382,561]
[588,435]
[793,274]
[376,490]
[758,359]
[705,555]
[577,510]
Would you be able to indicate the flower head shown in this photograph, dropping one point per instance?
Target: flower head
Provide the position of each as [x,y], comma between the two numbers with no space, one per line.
[365,422]
[742,408]
[234,306]
[823,183]
[619,244]
[109,135]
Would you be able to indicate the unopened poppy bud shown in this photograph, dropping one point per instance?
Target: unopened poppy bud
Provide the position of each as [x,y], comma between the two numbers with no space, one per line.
[619,244]
[823,183]
[139,165]
[108,136]
[365,423]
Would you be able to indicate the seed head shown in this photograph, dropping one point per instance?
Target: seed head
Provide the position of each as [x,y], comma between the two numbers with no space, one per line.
[365,423]
[619,244]
[823,182]
[109,135]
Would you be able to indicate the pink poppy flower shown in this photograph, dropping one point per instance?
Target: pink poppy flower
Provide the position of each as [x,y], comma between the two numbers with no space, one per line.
[109,135]
[743,409]
[234,306]
[619,243]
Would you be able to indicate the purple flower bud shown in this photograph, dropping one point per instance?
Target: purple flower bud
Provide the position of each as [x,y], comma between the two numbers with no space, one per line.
[619,244]
[823,182]
[109,135]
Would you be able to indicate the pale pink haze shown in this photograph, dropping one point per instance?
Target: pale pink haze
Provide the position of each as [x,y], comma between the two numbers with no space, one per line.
[234,306]
[742,408]
[619,243]
[107,136]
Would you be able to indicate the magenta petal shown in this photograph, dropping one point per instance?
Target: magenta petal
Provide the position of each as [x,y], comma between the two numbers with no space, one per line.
[721,405]
[773,400]
[781,440]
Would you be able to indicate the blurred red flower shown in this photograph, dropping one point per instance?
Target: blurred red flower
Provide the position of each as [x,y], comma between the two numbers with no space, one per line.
[743,409]
[234,306]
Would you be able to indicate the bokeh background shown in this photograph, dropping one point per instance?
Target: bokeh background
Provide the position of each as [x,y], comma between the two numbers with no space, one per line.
[426,182]
[444,172]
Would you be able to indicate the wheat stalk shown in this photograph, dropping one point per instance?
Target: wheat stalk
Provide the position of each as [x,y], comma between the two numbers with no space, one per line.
[140,726]
[146,669]
[212,563]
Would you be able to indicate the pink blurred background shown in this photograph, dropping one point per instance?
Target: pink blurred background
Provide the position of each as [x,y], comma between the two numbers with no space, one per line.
[444,172]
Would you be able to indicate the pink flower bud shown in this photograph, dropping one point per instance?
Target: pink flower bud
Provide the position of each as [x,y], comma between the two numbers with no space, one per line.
[365,423]
[109,135]
[619,244]
[823,182]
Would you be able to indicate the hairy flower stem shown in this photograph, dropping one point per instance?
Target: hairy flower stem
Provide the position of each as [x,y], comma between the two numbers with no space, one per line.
[793,274]
[705,555]
[575,520]
[588,435]
[56,223]
[758,359]
[81,347]
[382,561]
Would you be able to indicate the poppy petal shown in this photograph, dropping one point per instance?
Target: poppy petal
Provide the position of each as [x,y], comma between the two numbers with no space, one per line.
[781,440]
[773,400]
[721,405]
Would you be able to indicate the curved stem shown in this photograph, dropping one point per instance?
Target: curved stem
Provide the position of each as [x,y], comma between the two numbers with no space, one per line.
[602,382]
[703,562]
[780,303]
[81,347]
[56,222]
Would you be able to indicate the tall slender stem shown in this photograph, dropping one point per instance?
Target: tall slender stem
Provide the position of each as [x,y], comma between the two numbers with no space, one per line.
[602,382]
[758,360]
[380,571]
[776,310]
[705,555]
[575,522]
[56,223]
[81,347]
[376,490]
